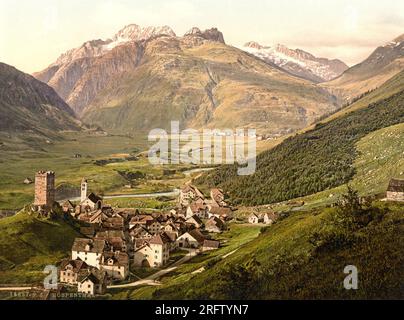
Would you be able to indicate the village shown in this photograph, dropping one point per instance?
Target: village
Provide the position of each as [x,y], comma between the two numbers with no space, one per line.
[114,239]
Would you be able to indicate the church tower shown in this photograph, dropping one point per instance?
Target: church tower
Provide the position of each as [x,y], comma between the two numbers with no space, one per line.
[84,186]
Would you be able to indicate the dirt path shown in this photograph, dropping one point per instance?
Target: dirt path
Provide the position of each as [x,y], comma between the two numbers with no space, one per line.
[15,288]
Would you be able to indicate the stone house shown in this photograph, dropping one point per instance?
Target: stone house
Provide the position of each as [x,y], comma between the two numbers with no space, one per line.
[153,226]
[395,190]
[210,245]
[269,218]
[218,197]
[197,209]
[92,282]
[216,225]
[90,203]
[68,207]
[139,233]
[189,194]
[191,239]
[194,221]
[219,212]
[70,269]
[89,250]
[253,219]
[153,253]
[115,265]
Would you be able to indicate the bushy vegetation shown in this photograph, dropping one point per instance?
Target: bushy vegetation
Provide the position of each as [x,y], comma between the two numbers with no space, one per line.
[310,162]
[304,256]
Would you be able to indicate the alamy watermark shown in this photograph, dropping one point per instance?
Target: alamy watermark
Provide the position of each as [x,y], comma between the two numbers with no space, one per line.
[351,280]
[211,146]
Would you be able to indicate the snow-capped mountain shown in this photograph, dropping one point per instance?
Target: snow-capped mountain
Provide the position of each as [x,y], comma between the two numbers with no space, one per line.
[298,62]
[129,33]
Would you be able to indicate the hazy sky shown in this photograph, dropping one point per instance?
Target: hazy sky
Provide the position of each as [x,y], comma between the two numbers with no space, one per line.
[33,33]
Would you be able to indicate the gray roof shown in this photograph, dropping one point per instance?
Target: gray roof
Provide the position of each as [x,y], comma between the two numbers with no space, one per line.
[96,245]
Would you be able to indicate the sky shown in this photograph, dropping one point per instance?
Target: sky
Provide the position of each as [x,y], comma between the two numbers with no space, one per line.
[34,33]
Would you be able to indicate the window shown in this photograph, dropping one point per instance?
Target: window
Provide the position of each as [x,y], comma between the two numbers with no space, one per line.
[89,286]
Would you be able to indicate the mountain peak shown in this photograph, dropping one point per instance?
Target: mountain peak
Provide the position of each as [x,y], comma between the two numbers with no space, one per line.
[212,34]
[134,32]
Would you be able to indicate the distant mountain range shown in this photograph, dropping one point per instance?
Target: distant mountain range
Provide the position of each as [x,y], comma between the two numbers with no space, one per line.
[142,78]
[29,105]
[383,64]
[298,62]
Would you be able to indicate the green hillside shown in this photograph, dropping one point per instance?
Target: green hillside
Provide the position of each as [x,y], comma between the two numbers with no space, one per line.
[28,244]
[311,162]
[303,257]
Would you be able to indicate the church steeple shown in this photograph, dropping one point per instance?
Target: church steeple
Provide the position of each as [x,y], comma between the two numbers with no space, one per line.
[84,186]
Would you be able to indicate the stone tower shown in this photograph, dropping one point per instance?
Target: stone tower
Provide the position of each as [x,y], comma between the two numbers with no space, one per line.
[44,189]
[84,187]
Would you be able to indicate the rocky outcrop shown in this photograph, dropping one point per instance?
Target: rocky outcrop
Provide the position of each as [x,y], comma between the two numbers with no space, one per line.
[212,34]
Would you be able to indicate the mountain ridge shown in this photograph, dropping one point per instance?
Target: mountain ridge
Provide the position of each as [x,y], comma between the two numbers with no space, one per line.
[298,62]
[27,104]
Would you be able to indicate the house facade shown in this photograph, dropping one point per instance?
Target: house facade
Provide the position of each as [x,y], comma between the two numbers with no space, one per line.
[70,270]
[88,250]
[115,265]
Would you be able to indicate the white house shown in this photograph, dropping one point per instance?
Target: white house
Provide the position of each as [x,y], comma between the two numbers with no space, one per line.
[116,265]
[88,250]
[253,219]
[154,253]
[191,239]
[188,194]
[92,282]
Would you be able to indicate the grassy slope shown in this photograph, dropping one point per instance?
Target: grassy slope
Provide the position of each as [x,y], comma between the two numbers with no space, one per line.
[310,162]
[390,87]
[21,158]
[28,244]
[291,268]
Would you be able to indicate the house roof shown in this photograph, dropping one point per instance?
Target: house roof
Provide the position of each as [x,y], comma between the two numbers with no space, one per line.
[191,188]
[93,275]
[110,234]
[161,239]
[396,185]
[215,221]
[211,244]
[68,203]
[197,235]
[76,264]
[195,207]
[220,211]
[94,198]
[88,231]
[118,258]
[195,218]
[96,245]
